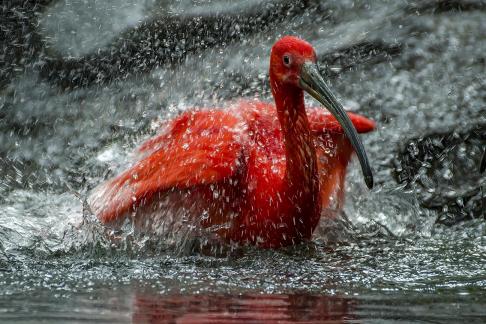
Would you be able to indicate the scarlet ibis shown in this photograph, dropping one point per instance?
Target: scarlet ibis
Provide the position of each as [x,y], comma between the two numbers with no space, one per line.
[251,173]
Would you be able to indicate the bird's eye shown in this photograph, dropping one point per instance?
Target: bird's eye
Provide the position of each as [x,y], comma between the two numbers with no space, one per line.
[286,60]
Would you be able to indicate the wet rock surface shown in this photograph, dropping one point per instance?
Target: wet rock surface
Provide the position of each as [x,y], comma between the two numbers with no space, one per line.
[165,41]
[443,169]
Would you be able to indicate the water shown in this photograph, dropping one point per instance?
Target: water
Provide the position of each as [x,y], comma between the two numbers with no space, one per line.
[412,249]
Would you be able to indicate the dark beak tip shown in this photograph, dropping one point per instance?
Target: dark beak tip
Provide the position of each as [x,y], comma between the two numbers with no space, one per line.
[369,181]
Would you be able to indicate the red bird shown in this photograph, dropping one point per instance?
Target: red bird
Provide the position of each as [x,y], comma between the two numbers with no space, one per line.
[252,173]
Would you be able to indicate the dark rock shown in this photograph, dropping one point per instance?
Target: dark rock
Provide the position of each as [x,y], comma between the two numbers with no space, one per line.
[367,52]
[165,41]
[20,42]
[442,169]
[441,6]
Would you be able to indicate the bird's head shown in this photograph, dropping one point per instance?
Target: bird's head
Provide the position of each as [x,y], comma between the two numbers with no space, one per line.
[293,68]
[289,54]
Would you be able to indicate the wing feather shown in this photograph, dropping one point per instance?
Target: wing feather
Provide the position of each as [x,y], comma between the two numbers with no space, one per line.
[198,147]
[321,120]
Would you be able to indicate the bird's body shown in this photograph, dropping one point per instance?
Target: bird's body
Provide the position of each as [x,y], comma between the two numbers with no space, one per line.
[252,173]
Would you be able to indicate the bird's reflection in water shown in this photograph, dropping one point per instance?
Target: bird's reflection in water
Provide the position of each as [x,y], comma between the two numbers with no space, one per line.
[243,308]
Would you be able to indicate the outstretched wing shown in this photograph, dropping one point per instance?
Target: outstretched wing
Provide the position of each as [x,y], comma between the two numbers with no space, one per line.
[321,121]
[333,153]
[198,147]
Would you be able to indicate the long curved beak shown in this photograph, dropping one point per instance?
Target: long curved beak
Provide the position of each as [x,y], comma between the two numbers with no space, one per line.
[312,82]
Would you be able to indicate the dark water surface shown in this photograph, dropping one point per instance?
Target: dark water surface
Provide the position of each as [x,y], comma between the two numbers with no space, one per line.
[82,82]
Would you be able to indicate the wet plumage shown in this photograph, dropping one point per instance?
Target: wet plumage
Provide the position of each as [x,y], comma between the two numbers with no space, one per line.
[251,172]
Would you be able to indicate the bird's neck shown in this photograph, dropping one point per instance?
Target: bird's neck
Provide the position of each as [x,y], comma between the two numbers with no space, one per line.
[301,175]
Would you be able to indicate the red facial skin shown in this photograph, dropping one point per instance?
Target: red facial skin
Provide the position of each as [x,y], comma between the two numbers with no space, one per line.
[252,173]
